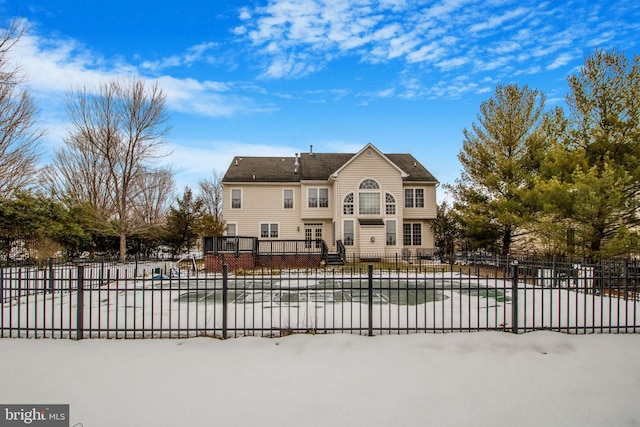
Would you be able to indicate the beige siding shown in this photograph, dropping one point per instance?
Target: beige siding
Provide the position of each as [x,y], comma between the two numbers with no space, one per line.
[318,213]
[263,203]
[430,206]
[372,240]
[348,181]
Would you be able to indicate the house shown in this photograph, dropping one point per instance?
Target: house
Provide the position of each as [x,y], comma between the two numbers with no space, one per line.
[367,203]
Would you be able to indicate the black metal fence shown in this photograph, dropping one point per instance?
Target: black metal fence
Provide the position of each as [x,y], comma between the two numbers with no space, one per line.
[158,301]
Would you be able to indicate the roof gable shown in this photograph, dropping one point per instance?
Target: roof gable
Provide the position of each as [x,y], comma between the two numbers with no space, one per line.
[369,146]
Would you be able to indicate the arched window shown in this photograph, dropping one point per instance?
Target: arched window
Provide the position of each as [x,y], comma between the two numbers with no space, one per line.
[347,205]
[369,184]
[369,198]
[390,204]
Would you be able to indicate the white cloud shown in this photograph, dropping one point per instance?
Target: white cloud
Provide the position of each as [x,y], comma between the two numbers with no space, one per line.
[460,37]
[55,66]
[560,60]
[449,64]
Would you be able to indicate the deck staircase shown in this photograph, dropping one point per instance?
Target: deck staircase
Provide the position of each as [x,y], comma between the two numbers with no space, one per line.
[334,258]
[338,257]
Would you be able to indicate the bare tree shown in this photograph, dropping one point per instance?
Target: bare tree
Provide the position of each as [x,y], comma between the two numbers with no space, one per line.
[211,194]
[18,134]
[118,130]
[80,174]
[153,198]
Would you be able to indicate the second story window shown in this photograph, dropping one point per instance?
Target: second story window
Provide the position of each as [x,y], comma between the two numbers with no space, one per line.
[318,197]
[288,199]
[390,204]
[369,198]
[347,205]
[236,199]
[414,198]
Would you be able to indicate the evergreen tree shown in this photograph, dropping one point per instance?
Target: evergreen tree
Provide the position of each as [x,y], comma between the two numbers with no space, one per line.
[591,179]
[184,223]
[501,156]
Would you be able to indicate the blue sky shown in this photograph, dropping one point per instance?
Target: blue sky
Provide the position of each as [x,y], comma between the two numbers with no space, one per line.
[272,77]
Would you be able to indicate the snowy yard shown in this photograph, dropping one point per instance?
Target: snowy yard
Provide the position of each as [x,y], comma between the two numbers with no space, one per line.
[479,379]
[453,379]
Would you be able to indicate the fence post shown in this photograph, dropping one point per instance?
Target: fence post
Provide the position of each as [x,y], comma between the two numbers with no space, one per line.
[225,272]
[51,282]
[80,304]
[370,298]
[514,297]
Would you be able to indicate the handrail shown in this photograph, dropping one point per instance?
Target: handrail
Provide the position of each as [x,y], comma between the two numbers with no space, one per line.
[342,251]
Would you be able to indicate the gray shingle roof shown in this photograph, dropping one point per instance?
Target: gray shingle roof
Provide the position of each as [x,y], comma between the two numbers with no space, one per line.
[318,166]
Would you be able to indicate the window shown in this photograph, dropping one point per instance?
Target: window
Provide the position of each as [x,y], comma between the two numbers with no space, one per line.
[347,232]
[390,204]
[232,229]
[414,198]
[347,204]
[269,231]
[318,197]
[419,198]
[391,232]
[412,234]
[288,199]
[236,199]
[369,184]
[369,198]
[369,203]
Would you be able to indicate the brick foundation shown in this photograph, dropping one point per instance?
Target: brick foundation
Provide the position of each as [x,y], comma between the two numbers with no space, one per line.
[246,261]
[243,261]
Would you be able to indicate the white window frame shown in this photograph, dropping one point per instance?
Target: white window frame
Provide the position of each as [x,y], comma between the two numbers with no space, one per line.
[369,187]
[394,232]
[412,234]
[353,232]
[235,225]
[270,231]
[284,198]
[348,206]
[389,206]
[232,199]
[318,197]
[412,199]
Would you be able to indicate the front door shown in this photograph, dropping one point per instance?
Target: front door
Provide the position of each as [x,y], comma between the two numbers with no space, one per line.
[312,232]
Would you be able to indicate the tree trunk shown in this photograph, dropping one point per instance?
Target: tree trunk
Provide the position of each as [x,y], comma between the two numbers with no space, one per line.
[506,241]
[123,246]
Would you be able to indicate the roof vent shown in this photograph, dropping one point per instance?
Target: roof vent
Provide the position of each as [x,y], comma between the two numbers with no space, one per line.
[236,162]
[311,150]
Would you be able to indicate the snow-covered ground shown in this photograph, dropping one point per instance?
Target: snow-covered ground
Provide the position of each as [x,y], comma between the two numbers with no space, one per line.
[461,379]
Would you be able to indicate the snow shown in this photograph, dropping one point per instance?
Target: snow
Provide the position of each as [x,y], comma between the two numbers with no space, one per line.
[457,379]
